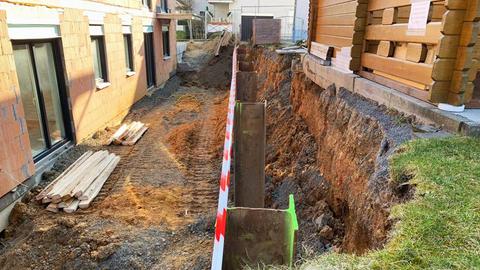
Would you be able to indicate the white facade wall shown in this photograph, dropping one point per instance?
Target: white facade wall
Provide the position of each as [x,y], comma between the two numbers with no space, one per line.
[279,9]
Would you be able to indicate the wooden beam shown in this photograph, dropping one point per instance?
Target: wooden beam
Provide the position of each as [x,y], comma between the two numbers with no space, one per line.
[386,48]
[398,32]
[416,72]
[389,16]
[383,4]
[416,52]
[411,91]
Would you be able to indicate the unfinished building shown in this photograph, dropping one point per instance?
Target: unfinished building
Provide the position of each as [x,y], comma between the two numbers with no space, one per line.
[70,68]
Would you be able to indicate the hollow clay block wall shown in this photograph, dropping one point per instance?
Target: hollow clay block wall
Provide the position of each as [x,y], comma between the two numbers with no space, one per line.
[16,163]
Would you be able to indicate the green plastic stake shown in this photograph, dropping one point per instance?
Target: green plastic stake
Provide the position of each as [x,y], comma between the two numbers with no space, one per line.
[293,225]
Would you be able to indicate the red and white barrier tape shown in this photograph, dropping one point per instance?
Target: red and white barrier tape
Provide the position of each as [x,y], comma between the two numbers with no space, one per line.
[217,258]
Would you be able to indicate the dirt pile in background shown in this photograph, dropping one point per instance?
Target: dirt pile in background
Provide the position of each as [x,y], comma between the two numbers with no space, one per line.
[330,148]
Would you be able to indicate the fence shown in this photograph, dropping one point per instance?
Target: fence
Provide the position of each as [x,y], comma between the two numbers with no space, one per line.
[434,60]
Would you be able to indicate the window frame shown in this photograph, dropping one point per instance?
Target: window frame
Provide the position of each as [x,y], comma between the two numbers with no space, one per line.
[103,59]
[166,41]
[129,63]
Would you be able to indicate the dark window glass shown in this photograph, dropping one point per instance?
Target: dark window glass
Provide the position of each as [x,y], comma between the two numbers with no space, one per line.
[127,43]
[99,60]
[164,5]
[166,40]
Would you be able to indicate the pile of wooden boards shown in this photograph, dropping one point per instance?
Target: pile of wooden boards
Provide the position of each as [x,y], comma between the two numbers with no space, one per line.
[223,41]
[80,183]
[128,134]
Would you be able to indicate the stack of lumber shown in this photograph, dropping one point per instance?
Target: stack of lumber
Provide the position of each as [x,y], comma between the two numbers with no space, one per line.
[128,134]
[223,41]
[80,183]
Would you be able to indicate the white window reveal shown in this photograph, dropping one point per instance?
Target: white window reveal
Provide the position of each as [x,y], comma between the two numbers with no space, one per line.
[25,31]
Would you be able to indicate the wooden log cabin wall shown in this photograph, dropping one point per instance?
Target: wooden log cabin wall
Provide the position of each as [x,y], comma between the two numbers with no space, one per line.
[371,38]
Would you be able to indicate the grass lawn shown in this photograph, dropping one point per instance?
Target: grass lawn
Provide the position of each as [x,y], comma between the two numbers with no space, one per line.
[440,227]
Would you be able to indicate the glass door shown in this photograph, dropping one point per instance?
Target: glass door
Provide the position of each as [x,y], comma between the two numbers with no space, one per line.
[45,114]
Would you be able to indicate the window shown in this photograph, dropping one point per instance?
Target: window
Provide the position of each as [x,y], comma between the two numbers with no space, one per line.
[127,43]
[166,40]
[164,6]
[99,60]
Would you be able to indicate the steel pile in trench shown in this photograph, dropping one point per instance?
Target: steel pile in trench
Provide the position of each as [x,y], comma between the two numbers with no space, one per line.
[248,233]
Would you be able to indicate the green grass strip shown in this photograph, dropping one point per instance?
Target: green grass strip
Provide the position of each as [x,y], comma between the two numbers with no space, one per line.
[440,227]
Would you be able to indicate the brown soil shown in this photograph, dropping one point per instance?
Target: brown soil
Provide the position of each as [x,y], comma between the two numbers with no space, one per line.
[156,211]
[329,148]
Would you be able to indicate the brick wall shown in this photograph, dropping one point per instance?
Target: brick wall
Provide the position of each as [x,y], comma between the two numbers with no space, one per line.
[164,66]
[16,163]
[94,109]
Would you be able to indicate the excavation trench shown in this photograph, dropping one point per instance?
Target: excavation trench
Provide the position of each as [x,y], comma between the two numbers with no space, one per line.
[331,149]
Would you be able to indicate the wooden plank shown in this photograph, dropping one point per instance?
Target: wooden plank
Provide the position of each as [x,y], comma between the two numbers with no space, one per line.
[72,207]
[436,12]
[352,7]
[464,58]
[443,69]
[439,91]
[398,32]
[452,22]
[472,73]
[430,58]
[72,167]
[469,34]
[356,51]
[386,48]
[90,176]
[337,30]
[326,3]
[92,192]
[383,4]
[325,52]
[389,16]
[447,47]
[53,207]
[341,19]
[459,81]
[420,94]
[71,180]
[456,4]
[473,11]
[137,136]
[117,134]
[334,40]
[416,52]
[417,72]
[401,80]
[401,51]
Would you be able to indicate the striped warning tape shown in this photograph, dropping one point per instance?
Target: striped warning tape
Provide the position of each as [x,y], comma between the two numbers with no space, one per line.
[221,223]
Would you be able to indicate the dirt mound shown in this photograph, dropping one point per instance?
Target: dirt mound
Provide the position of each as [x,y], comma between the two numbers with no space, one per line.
[216,74]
